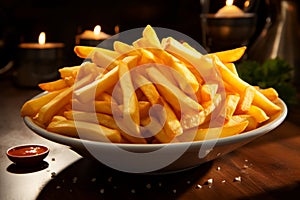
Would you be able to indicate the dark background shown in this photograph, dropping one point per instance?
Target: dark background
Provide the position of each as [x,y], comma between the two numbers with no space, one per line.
[22,21]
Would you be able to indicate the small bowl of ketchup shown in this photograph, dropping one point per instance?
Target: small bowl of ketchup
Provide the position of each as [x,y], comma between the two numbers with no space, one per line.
[28,154]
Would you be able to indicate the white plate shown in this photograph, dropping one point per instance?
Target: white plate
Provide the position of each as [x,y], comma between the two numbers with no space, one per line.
[159,158]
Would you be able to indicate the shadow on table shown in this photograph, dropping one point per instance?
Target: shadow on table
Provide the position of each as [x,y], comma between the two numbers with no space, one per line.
[89,179]
[288,192]
[16,169]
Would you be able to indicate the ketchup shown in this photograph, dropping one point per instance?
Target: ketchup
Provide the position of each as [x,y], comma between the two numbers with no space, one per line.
[27,150]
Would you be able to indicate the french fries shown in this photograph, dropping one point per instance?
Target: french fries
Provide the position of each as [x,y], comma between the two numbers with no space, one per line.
[151,91]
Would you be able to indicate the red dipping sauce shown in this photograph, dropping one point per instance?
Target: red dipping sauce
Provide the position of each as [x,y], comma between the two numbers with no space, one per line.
[27,150]
[28,154]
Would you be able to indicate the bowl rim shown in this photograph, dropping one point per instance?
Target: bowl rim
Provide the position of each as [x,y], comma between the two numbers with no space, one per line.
[271,124]
[28,145]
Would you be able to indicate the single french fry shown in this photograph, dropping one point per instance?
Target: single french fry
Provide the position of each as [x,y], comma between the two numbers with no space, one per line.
[258,114]
[53,85]
[32,106]
[182,52]
[69,71]
[232,55]
[231,103]
[270,93]
[149,39]
[106,107]
[172,126]
[87,51]
[123,48]
[130,102]
[88,131]
[150,35]
[92,90]
[246,100]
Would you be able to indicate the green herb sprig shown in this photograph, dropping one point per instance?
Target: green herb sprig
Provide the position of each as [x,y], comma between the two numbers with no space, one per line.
[275,73]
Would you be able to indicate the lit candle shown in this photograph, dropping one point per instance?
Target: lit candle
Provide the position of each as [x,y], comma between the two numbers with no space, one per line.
[230,10]
[92,38]
[38,62]
[41,44]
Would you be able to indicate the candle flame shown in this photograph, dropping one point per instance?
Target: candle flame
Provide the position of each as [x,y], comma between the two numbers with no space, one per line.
[97,30]
[42,38]
[247,4]
[229,2]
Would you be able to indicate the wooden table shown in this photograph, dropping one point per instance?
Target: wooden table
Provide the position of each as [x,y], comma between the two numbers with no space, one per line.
[267,168]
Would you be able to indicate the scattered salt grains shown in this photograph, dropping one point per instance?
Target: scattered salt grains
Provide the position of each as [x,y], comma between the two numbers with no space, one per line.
[109,179]
[159,184]
[188,182]
[132,191]
[58,187]
[93,179]
[74,180]
[238,179]
[223,181]
[198,186]
[174,191]
[102,191]
[218,168]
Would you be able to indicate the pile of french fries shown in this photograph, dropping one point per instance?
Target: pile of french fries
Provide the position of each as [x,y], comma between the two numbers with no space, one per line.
[151,91]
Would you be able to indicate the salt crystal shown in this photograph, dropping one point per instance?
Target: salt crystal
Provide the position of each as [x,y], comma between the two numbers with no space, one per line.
[238,178]
[210,181]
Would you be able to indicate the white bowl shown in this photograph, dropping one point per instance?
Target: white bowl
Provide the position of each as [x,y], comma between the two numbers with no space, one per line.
[159,158]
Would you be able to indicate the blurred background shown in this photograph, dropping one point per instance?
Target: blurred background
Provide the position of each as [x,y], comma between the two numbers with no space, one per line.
[22,21]
[62,20]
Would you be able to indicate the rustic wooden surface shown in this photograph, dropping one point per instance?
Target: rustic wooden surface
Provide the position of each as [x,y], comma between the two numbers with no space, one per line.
[268,167]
